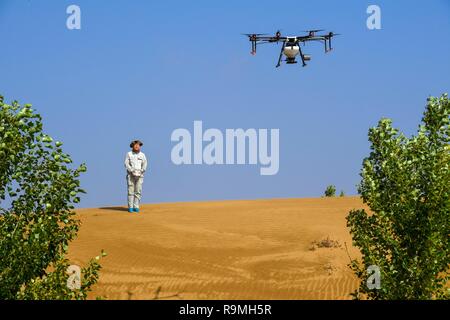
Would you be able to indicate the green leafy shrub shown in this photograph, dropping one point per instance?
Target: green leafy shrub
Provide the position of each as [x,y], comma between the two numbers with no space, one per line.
[39,224]
[330,191]
[54,284]
[405,183]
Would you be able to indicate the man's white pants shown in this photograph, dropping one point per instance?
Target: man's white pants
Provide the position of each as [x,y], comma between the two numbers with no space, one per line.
[134,190]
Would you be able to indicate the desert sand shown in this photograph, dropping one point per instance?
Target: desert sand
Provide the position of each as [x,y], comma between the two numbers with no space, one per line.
[256,249]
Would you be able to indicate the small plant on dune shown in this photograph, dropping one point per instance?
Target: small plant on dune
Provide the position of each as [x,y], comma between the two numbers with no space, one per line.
[330,191]
[405,183]
[157,295]
[325,243]
[342,194]
[39,190]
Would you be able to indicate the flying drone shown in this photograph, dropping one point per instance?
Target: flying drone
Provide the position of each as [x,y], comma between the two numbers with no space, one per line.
[291,44]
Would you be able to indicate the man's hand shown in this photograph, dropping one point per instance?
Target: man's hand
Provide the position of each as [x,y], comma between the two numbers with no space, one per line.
[137,173]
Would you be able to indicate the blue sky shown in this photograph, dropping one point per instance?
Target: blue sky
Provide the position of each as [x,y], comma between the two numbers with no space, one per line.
[140,69]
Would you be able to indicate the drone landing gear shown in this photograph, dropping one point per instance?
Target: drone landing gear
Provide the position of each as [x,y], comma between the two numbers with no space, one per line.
[281,54]
[302,56]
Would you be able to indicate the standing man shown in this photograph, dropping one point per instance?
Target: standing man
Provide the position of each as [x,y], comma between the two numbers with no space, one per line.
[136,164]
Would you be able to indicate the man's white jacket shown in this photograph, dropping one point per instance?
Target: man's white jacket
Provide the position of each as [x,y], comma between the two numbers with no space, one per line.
[136,163]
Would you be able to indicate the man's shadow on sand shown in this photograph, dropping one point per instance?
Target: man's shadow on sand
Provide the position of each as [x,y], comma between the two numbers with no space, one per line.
[114,208]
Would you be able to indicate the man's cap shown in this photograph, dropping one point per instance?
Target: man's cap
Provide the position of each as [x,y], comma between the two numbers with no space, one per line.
[136,142]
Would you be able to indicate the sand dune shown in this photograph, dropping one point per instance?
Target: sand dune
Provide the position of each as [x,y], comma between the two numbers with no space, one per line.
[257,249]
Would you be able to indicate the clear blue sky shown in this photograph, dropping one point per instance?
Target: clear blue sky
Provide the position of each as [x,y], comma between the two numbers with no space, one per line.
[140,69]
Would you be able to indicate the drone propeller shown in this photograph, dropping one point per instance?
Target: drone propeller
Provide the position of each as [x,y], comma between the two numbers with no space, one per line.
[254,34]
[327,41]
[332,34]
[253,37]
[314,31]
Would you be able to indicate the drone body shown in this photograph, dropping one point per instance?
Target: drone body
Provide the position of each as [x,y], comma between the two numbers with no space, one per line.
[291,45]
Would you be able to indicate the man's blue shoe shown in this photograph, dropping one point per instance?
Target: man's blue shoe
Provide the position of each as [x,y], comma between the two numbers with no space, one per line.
[130,210]
[136,210]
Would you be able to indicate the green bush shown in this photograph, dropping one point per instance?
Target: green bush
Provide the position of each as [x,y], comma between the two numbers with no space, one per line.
[330,191]
[39,224]
[405,183]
